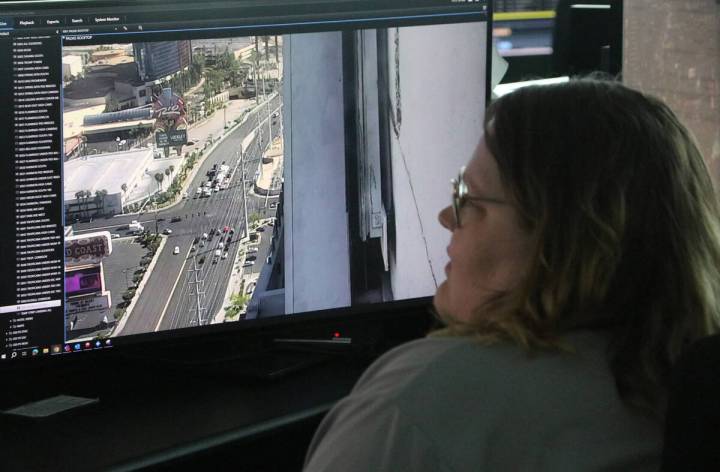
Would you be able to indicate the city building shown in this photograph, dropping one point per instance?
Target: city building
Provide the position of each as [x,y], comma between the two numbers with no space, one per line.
[72,67]
[158,60]
[104,172]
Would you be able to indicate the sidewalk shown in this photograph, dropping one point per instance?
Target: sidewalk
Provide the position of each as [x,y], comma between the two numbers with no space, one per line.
[271,162]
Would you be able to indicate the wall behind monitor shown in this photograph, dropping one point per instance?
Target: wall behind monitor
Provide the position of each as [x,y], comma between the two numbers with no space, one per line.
[672,50]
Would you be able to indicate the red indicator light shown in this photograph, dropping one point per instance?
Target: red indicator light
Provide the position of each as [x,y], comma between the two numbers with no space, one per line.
[336,334]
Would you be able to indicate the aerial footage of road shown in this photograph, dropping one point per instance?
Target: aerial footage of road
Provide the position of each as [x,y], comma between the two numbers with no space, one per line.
[198,275]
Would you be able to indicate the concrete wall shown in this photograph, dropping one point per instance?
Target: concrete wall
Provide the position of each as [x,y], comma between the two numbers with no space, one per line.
[672,50]
[442,100]
[316,240]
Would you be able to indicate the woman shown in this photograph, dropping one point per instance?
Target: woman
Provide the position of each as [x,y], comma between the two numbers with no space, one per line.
[584,256]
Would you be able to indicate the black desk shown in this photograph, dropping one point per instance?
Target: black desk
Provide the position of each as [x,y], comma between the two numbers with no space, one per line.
[149,417]
[171,414]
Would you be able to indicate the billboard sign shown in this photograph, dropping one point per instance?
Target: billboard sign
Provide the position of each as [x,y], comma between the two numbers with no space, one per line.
[87,248]
[177,137]
[83,281]
[100,301]
[168,110]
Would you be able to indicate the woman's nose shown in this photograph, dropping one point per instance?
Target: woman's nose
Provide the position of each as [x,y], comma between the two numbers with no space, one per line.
[446,218]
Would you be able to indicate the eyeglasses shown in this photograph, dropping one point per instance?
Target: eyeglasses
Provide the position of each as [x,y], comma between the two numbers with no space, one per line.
[460,196]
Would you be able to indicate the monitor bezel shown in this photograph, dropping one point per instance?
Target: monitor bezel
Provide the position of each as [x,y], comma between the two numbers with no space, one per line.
[266,328]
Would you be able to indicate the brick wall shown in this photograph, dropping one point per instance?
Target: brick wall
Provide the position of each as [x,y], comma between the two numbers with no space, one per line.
[672,50]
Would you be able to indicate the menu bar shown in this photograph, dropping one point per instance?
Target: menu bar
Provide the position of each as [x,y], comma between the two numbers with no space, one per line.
[185,15]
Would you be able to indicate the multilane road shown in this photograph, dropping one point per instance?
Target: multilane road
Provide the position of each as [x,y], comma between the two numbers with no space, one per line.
[168,299]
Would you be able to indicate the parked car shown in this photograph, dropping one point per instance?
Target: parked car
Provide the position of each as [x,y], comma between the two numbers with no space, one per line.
[204,235]
[249,263]
[167,231]
[114,236]
[176,251]
[175,219]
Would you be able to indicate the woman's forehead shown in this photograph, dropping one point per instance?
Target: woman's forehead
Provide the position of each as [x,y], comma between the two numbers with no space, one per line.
[482,172]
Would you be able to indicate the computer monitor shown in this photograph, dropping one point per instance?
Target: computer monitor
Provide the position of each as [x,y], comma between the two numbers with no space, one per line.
[179,168]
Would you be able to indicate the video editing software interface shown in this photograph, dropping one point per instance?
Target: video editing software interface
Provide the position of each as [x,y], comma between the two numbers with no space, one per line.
[169,165]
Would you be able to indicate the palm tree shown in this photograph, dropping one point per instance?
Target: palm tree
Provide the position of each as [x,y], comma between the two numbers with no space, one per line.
[87,195]
[97,201]
[277,60]
[255,68]
[266,40]
[79,196]
[100,199]
[159,178]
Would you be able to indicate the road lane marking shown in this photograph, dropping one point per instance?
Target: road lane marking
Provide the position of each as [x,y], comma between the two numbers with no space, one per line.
[182,271]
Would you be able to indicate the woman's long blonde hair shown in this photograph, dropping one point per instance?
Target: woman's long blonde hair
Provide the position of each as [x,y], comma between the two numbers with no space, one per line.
[626,219]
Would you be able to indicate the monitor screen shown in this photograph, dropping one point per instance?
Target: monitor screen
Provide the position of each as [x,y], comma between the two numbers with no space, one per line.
[168,167]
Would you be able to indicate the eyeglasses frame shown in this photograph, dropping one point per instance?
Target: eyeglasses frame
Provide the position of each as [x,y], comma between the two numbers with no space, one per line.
[460,196]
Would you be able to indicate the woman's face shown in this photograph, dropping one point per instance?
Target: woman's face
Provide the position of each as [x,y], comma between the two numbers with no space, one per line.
[489,252]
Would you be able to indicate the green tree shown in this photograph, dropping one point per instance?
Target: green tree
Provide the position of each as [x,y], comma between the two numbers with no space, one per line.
[159,177]
[86,196]
[100,200]
[112,104]
[79,197]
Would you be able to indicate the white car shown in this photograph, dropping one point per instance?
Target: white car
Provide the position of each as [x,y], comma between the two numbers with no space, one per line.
[249,263]
[167,231]
[204,235]
[252,250]
[225,255]
[218,253]
[176,251]
[221,245]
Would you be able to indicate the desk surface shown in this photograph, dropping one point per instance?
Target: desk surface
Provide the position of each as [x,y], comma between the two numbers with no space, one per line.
[149,416]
